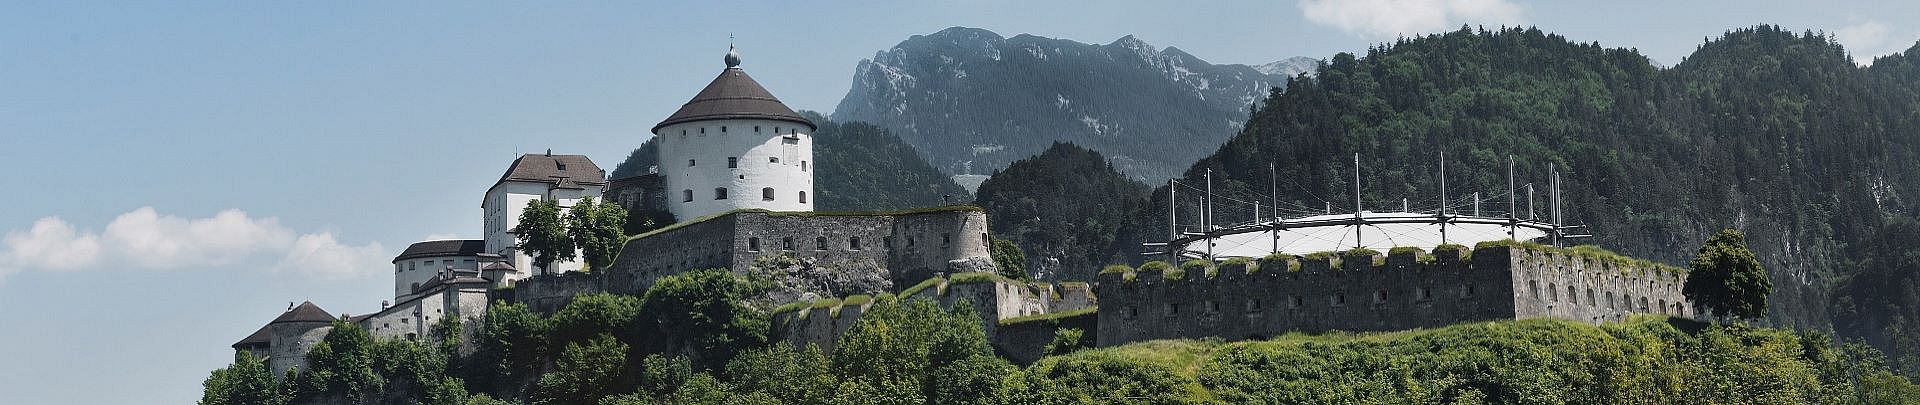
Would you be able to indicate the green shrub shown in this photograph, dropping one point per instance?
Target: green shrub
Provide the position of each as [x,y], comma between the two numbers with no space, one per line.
[923,285]
[1360,252]
[1247,266]
[1405,250]
[974,277]
[1154,268]
[1116,269]
[1202,267]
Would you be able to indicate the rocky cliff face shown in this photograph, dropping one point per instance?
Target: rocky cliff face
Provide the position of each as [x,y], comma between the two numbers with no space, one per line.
[973,101]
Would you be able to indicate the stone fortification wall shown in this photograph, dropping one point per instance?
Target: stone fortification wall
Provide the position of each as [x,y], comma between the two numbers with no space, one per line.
[1367,293]
[927,244]
[290,343]
[817,325]
[1357,295]
[547,294]
[1583,289]
[1024,340]
[992,297]
[414,318]
[699,244]
[910,245]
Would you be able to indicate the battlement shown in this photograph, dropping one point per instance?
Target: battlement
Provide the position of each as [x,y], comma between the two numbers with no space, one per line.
[996,299]
[1363,290]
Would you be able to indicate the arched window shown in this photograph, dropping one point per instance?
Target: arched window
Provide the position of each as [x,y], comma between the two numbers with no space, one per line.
[766,194]
[688,194]
[803,197]
[1553,293]
[719,193]
[1534,287]
[1573,296]
[1663,306]
[820,243]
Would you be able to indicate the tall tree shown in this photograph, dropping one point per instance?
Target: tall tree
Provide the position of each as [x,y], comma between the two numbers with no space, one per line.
[1727,280]
[707,311]
[1008,257]
[598,230]
[247,381]
[543,234]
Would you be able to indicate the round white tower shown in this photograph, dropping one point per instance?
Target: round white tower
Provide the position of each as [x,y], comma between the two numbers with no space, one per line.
[735,146]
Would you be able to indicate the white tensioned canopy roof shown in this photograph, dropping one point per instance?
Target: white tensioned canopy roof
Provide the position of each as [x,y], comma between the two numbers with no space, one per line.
[1379,231]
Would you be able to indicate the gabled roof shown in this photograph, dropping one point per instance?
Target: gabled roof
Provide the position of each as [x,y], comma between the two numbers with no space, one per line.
[567,171]
[456,247]
[733,95]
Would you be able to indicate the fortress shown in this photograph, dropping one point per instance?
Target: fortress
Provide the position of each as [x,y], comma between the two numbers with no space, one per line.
[735,166]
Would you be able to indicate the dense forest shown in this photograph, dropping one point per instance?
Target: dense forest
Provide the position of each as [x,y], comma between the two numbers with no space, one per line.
[861,167]
[1066,208]
[699,338]
[1773,132]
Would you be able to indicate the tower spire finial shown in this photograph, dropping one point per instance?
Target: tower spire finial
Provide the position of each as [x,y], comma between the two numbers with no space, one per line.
[733,56]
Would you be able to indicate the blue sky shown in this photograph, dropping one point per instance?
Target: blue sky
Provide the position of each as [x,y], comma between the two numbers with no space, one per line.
[178,172]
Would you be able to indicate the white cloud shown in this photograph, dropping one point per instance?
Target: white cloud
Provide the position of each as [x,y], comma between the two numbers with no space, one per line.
[319,255]
[443,236]
[1865,40]
[52,244]
[145,239]
[159,241]
[1391,18]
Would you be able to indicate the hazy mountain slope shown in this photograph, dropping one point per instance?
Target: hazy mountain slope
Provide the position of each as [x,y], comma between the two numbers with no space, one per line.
[973,101]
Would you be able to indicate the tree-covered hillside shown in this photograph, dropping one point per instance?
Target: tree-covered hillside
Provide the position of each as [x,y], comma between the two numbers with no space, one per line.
[860,167]
[1773,132]
[621,350]
[1066,208]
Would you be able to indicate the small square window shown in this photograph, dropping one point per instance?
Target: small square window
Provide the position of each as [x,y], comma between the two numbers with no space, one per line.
[690,162]
[773,159]
[733,163]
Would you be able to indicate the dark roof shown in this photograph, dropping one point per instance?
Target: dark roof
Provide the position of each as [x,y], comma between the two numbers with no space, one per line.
[733,95]
[457,247]
[260,337]
[550,168]
[306,312]
[440,280]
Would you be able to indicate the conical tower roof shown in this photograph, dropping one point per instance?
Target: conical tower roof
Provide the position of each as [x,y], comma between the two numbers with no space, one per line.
[733,95]
[305,312]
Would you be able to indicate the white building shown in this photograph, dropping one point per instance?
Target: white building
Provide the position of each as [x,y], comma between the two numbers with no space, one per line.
[424,260]
[562,178]
[735,146]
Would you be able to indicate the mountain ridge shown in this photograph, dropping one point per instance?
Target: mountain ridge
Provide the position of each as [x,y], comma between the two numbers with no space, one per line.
[974,101]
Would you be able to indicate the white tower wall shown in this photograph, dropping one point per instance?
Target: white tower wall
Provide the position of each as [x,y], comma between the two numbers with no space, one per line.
[767,154]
